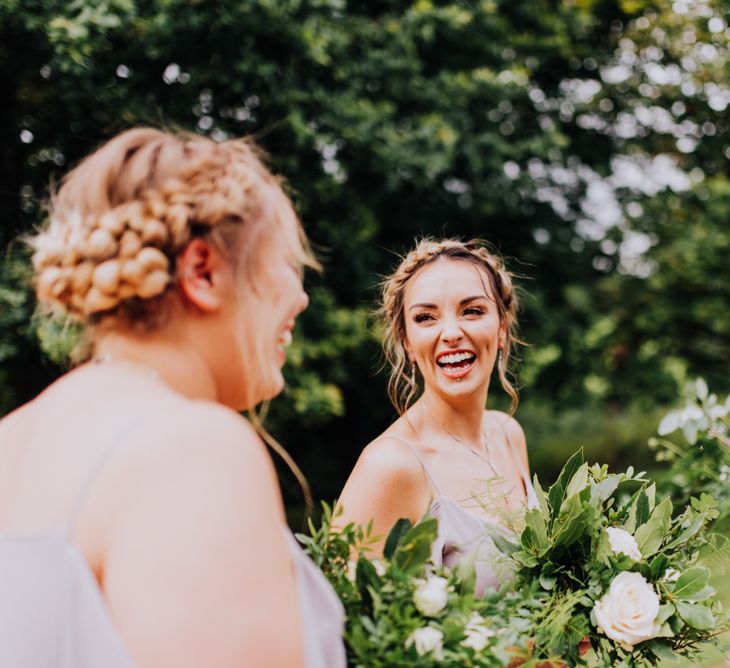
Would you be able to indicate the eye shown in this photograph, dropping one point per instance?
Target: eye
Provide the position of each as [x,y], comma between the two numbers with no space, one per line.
[474,310]
[298,268]
[423,317]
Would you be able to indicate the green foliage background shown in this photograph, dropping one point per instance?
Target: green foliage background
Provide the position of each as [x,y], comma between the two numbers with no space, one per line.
[587,140]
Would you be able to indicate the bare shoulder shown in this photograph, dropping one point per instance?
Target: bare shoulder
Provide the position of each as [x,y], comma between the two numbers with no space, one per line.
[201,541]
[390,458]
[387,483]
[205,459]
[515,433]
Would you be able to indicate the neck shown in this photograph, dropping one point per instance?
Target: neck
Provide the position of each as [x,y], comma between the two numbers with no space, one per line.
[462,419]
[177,363]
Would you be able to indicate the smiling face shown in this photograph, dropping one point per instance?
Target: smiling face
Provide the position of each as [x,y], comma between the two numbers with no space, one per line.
[263,296]
[452,327]
[279,299]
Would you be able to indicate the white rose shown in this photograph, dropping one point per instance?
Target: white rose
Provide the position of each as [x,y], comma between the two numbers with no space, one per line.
[352,568]
[431,596]
[477,635]
[622,542]
[628,610]
[427,639]
[379,567]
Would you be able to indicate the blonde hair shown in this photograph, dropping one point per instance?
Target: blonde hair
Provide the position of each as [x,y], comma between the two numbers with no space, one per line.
[122,217]
[401,386]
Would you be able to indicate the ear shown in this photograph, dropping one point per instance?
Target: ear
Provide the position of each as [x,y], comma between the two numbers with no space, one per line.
[502,336]
[203,275]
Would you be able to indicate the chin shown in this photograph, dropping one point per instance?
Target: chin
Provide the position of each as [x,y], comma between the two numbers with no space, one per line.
[274,387]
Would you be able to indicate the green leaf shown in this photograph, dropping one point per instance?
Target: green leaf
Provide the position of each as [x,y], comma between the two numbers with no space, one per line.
[604,489]
[658,565]
[691,582]
[572,522]
[649,536]
[642,508]
[578,482]
[547,582]
[666,610]
[414,549]
[503,543]
[695,615]
[400,529]
[702,595]
[661,650]
[556,494]
[535,520]
[541,497]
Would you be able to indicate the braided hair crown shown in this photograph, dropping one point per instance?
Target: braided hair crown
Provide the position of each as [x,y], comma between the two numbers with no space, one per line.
[123,215]
[401,386]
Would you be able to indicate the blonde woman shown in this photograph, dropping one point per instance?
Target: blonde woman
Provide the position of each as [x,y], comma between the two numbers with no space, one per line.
[140,517]
[448,312]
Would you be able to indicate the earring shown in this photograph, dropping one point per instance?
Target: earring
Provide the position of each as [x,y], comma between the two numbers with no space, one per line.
[412,379]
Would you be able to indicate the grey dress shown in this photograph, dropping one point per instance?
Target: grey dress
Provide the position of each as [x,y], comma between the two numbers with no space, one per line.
[462,534]
[53,614]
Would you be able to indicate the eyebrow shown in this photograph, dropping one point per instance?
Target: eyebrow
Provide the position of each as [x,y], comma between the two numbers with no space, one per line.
[466,300]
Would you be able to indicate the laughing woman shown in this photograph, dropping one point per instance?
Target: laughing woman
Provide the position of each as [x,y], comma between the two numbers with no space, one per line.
[449,318]
[140,517]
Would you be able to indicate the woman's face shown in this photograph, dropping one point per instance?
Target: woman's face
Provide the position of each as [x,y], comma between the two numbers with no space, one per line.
[453,329]
[268,313]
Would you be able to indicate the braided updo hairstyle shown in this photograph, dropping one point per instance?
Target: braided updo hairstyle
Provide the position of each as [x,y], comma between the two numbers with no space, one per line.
[124,214]
[401,388]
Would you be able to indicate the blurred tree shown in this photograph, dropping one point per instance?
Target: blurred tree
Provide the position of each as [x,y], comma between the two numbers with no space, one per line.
[573,135]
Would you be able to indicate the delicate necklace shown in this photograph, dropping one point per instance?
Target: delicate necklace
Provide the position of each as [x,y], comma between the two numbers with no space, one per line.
[108,358]
[485,458]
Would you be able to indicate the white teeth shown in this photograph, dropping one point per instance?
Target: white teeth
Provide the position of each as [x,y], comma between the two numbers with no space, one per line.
[286,338]
[455,358]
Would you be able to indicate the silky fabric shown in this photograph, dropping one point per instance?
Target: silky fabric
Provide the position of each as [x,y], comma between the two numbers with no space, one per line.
[53,614]
[464,535]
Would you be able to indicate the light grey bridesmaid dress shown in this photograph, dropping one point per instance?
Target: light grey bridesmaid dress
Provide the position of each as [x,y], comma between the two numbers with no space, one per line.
[53,614]
[462,534]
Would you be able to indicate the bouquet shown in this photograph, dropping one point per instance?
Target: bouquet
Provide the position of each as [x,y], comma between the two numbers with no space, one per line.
[401,611]
[625,573]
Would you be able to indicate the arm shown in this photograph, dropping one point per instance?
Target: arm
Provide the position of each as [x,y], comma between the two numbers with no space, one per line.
[387,483]
[197,571]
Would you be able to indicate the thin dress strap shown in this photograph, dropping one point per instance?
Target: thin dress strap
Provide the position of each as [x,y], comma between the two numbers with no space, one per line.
[414,450]
[96,469]
[529,490]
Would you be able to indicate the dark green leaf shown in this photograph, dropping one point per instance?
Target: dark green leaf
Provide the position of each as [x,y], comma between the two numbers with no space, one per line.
[556,494]
[400,529]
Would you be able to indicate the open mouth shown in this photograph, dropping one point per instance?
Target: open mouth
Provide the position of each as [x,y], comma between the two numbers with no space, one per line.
[456,363]
[285,339]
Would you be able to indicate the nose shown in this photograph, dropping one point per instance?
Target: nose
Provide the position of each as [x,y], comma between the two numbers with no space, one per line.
[451,332]
[303,301]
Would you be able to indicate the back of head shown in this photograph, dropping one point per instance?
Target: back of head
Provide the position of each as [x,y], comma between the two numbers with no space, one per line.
[123,215]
